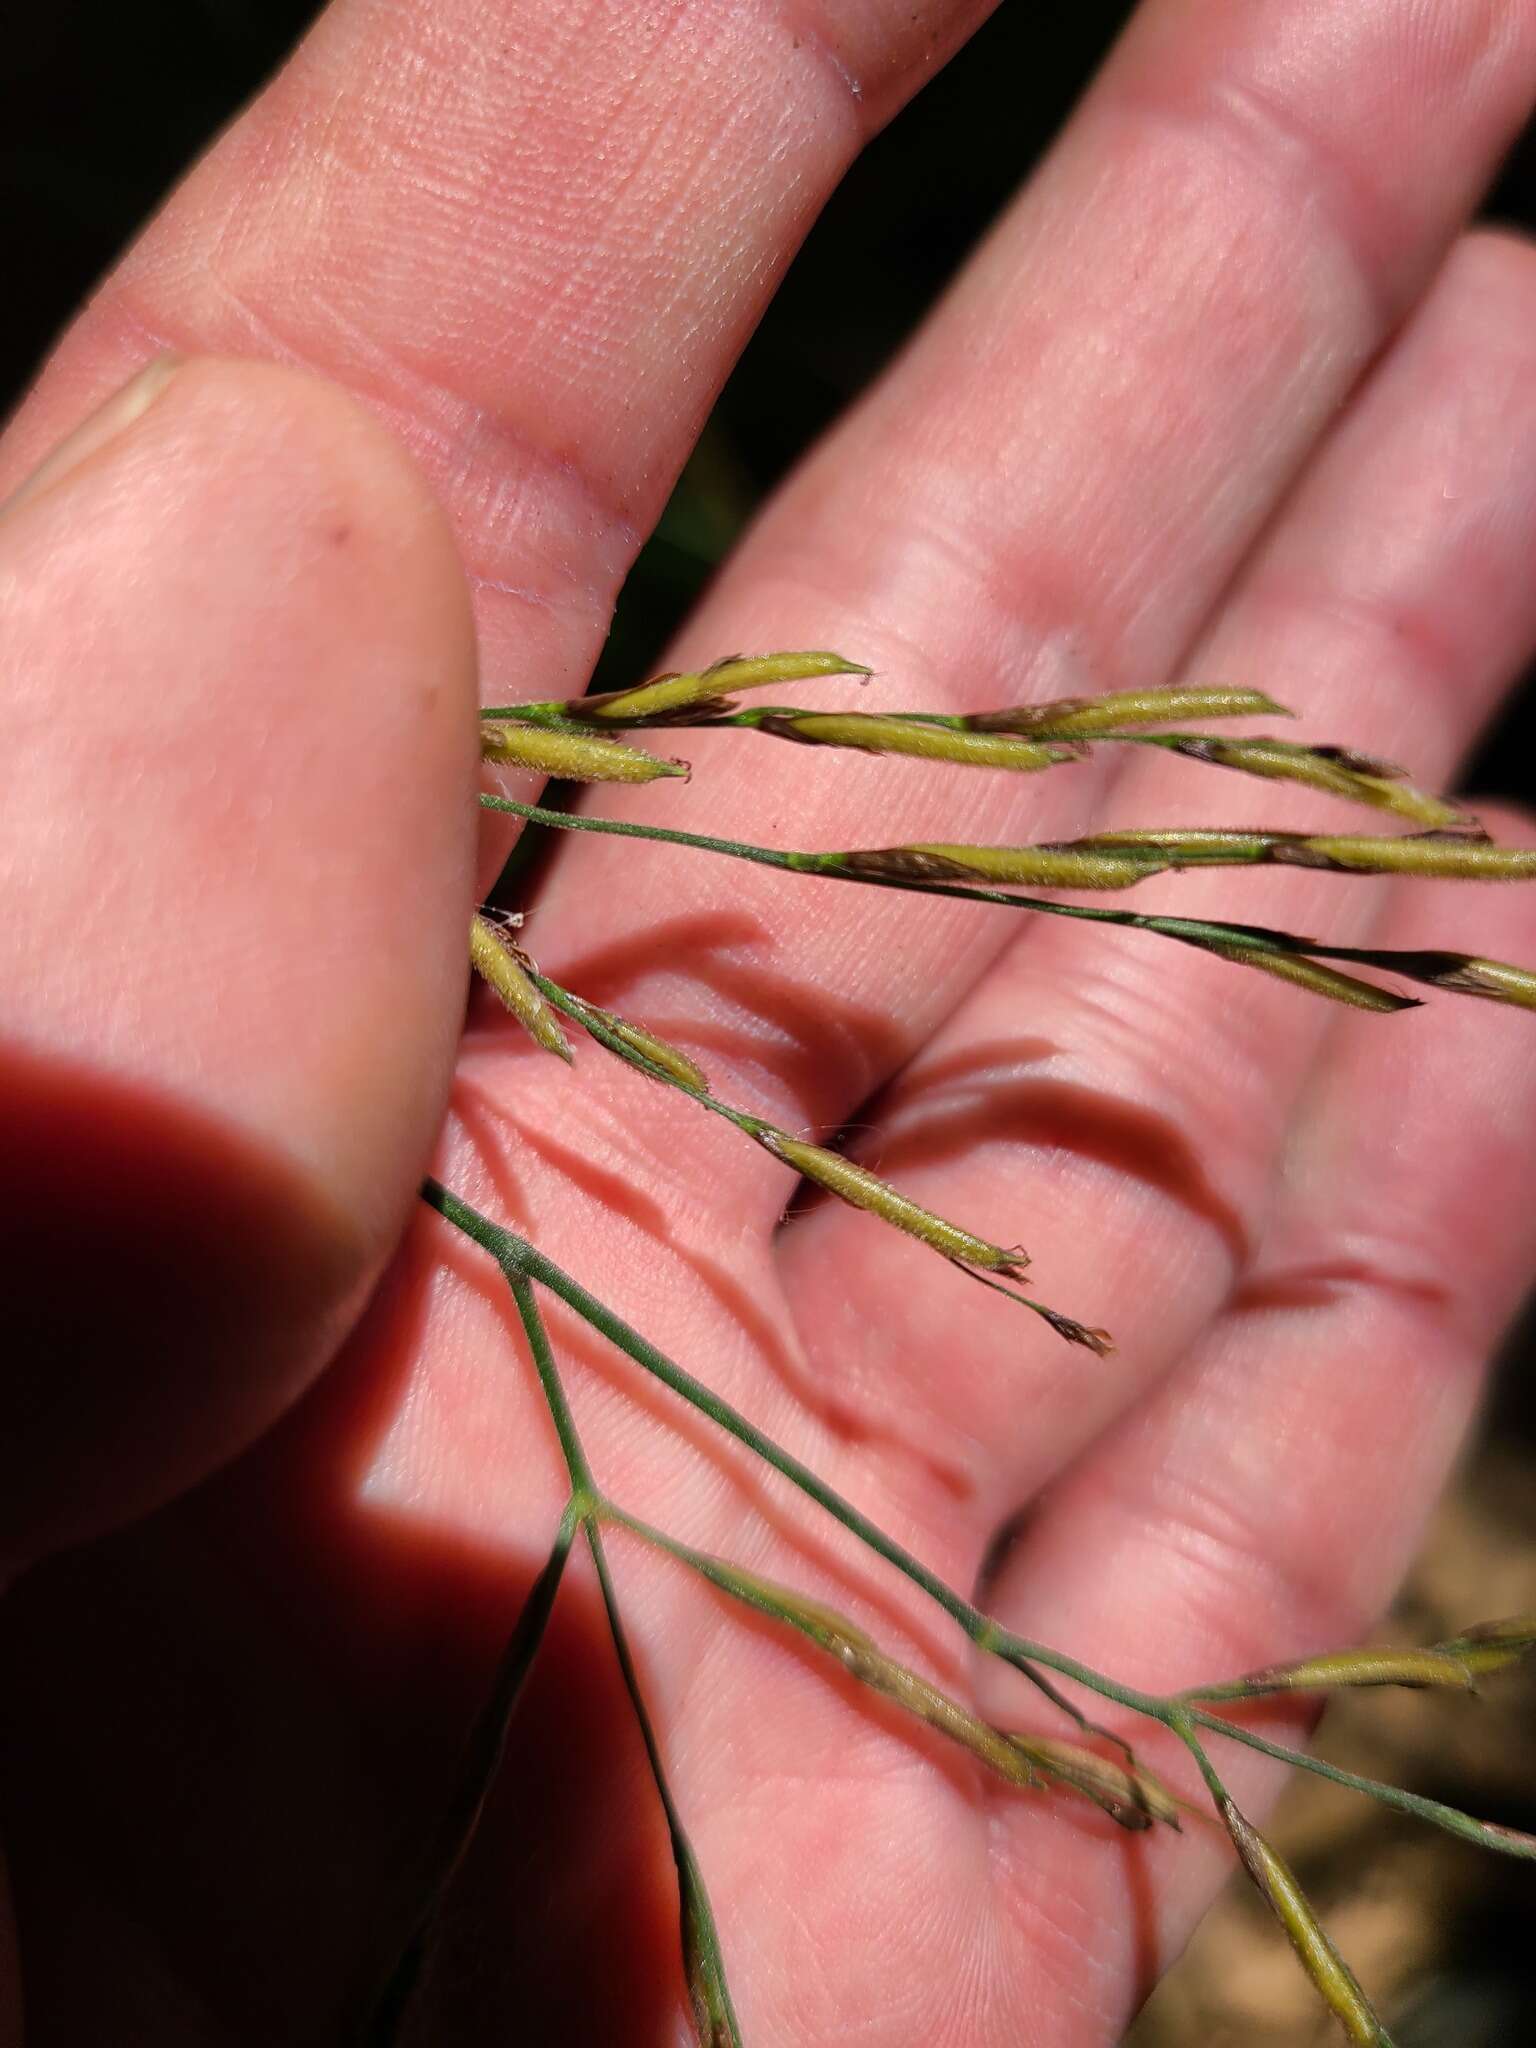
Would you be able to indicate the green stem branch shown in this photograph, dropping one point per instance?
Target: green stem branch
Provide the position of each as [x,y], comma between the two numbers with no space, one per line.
[433,1871]
[515,1253]
[520,1258]
[1507,1842]
[1206,933]
[703,1963]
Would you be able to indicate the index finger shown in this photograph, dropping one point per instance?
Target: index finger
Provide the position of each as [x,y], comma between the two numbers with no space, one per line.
[533,236]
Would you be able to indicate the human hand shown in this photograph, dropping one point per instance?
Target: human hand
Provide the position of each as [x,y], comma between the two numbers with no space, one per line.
[1223,397]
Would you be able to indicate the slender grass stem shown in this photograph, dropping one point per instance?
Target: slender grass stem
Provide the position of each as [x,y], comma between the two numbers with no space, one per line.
[963,1249]
[703,1963]
[1209,935]
[521,1260]
[480,1760]
[703,1960]
[593,1022]
[1182,1725]
[1020,741]
[515,1253]
[554,1392]
[1486,1834]
[1276,1884]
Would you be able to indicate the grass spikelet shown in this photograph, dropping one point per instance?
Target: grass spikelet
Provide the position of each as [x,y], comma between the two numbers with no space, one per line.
[975,1256]
[714,2017]
[1490,1646]
[1081,718]
[862,1189]
[1133,1797]
[871,733]
[1336,771]
[1081,864]
[1322,1962]
[1118,860]
[661,1053]
[572,756]
[1417,1669]
[1453,856]
[664,697]
[494,960]
[1311,975]
[1496,980]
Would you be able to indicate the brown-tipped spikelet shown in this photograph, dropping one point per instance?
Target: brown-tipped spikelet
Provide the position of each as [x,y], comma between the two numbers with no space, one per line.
[493,959]
[1134,1799]
[1496,980]
[1309,974]
[1287,1901]
[1357,777]
[573,756]
[1117,860]
[974,1255]
[1099,1342]
[865,1190]
[1083,865]
[664,697]
[1441,1666]
[1081,718]
[1490,1646]
[1131,1796]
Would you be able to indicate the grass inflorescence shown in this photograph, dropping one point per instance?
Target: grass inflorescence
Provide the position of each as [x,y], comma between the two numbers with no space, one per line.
[578,740]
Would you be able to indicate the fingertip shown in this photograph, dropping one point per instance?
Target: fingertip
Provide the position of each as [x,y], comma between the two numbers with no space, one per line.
[239,682]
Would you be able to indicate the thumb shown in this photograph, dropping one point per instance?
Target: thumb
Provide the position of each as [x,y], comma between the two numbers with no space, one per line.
[237,767]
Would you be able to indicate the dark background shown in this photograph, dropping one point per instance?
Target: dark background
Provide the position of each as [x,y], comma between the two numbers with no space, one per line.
[102,106]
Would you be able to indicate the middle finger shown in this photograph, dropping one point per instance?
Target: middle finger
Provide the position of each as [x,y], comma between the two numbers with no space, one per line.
[1127,1095]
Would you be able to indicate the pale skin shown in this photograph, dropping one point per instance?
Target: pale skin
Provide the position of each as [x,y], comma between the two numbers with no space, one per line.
[1231,394]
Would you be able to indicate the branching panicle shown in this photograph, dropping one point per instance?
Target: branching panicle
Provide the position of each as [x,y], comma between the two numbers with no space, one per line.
[575,739]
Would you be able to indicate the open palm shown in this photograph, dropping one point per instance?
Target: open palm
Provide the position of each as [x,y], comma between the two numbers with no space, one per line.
[1227,395]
